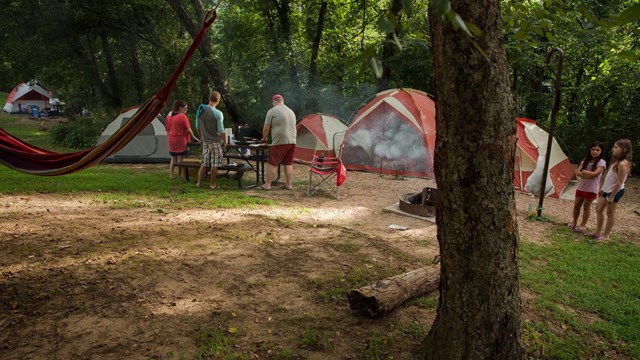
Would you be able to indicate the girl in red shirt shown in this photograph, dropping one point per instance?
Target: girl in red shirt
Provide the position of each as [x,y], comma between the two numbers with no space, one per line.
[178,131]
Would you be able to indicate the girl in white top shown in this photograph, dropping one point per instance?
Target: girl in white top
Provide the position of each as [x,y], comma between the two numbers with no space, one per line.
[613,188]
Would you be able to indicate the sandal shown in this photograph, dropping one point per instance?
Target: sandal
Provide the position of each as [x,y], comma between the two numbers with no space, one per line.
[579,229]
[571,226]
[591,235]
[600,238]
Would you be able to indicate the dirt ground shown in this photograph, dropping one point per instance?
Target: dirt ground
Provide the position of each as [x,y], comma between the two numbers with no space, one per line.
[82,279]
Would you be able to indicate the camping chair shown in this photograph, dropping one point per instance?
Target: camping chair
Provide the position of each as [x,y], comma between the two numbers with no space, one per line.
[323,174]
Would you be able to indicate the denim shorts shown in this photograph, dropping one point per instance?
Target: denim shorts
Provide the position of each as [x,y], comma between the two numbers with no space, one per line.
[615,198]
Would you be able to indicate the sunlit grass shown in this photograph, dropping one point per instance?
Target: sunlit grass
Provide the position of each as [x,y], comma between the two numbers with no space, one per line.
[590,290]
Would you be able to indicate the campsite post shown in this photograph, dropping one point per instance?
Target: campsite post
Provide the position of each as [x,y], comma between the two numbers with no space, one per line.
[552,123]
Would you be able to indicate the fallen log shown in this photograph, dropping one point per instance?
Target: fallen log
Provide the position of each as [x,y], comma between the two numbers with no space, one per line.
[384,295]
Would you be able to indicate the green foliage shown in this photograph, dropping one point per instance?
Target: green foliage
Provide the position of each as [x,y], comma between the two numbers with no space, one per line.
[78,133]
[590,290]
[599,100]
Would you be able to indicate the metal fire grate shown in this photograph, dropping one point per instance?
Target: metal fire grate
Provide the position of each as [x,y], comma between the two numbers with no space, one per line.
[421,203]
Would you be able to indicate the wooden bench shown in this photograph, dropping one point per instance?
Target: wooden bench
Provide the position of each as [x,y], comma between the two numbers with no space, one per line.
[238,170]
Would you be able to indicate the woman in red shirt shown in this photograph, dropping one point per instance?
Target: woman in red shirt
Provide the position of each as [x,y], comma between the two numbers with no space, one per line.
[178,131]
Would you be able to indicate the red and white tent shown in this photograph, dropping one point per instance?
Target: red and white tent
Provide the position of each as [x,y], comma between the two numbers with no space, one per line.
[531,142]
[26,94]
[317,133]
[395,133]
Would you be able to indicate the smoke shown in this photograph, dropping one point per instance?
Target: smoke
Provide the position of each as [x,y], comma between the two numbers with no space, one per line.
[400,142]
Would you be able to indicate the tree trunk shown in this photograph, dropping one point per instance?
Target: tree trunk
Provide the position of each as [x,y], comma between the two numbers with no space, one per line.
[138,74]
[389,48]
[478,315]
[116,97]
[313,64]
[573,97]
[205,50]
[92,72]
[385,295]
[285,36]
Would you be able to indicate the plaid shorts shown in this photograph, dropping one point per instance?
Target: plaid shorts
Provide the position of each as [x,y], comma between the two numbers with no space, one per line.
[212,154]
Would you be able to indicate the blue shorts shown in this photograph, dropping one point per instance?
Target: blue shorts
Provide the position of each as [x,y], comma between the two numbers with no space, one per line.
[615,198]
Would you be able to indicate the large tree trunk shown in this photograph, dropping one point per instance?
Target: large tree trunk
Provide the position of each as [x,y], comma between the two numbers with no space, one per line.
[478,315]
[206,51]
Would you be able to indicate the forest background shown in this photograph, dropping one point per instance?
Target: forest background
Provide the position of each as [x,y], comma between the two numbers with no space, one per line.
[323,56]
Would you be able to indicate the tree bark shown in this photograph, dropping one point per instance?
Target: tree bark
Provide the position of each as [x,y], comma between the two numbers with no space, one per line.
[313,64]
[389,48]
[385,295]
[284,36]
[116,96]
[206,51]
[138,73]
[478,315]
[573,97]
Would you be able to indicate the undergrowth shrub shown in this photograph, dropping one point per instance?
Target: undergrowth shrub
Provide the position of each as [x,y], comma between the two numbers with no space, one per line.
[79,132]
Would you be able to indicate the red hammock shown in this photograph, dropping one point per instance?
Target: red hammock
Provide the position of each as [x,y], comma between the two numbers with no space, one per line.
[21,156]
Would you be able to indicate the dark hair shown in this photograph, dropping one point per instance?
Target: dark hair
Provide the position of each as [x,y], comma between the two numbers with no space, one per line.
[588,158]
[177,105]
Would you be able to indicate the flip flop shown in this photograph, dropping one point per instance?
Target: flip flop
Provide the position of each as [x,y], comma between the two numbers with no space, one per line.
[264,188]
[570,226]
[600,238]
[591,235]
[285,187]
[579,229]
[213,187]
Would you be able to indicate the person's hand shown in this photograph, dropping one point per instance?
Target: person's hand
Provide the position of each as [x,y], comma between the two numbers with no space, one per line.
[264,140]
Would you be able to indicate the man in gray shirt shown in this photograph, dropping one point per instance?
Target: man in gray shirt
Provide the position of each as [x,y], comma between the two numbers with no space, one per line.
[281,123]
[213,140]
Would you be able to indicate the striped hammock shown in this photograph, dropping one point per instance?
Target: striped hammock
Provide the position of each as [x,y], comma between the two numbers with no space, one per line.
[21,156]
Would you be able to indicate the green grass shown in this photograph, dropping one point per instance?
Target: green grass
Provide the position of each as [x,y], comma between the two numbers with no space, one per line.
[121,186]
[28,131]
[215,344]
[590,291]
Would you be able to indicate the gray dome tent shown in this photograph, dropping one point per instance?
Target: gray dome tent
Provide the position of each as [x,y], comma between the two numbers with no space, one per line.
[150,146]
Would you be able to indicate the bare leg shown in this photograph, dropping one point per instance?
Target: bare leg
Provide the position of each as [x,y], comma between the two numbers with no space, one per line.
[201,172]
[586,213]
[172,167]
[214,176]
[271,174]
[288,174]
[611,219]
[180,169]
[576,211]
[600,207]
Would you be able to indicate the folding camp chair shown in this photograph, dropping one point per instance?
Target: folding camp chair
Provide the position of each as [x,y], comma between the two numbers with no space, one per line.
[323,174]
